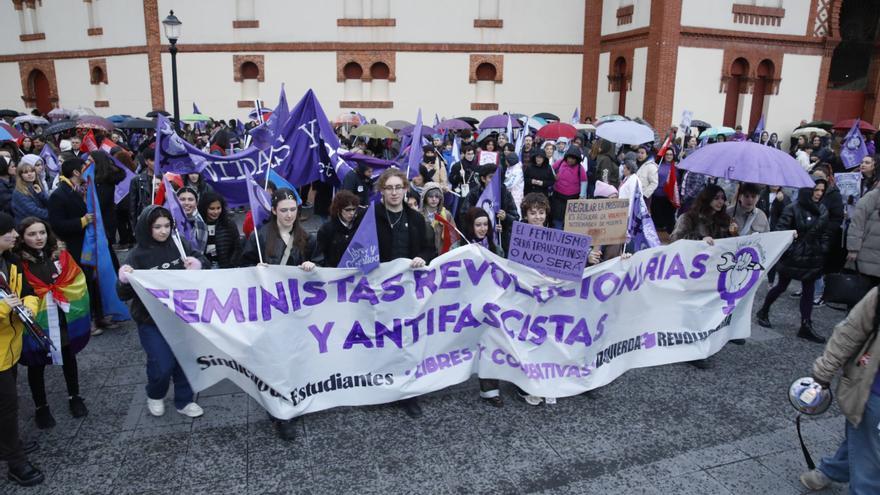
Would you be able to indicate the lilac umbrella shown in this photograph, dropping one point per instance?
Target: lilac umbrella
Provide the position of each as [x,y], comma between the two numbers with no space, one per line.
[746,161]
[454,125]
[499,122]
[408,130]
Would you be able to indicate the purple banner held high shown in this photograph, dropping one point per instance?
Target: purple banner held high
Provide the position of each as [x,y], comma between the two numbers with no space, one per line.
[853,149]
[553,252]
[363,250]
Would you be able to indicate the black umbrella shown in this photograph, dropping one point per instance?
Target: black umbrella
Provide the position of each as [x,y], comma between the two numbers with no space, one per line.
[701,124]
[156,113]
[470,120]
[9,113]
[59,126]
[822,124]
[547,116]
[135,123]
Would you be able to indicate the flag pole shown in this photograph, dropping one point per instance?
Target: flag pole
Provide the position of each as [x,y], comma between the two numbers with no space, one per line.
[256,235]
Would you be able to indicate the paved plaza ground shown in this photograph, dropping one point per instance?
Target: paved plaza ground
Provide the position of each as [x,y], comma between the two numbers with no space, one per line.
[663,430]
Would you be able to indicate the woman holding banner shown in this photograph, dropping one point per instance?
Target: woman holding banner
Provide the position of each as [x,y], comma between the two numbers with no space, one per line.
[281,241]
[335,235]
[158,249]
[64,306]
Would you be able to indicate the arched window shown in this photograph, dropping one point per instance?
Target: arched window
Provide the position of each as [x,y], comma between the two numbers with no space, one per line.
[763,83]
[249,70]
[249,74]
[38,84]
[737,83]
[97,75]
[620,84]
[485,85]
[379,86]
[486,72]
[354,86]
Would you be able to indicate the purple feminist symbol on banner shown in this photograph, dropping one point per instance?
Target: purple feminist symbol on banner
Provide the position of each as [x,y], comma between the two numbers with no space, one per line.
[738,274]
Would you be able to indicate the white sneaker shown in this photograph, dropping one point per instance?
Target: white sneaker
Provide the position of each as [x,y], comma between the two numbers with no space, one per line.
[192,410]
[815,480]
[156,406]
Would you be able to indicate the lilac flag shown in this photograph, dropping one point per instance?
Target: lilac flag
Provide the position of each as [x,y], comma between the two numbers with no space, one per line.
[759,128]
[576,116]
[640,230]
[50,159]
[361,118]
[363,250]
[260,202]
[311,145]
[490,199]
[436,121]
[415,149]
[280,114]
[196,109]
[123,187]
[853,149]
[173,206]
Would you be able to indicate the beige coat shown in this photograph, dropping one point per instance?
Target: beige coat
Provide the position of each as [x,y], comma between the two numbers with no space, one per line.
[850,341]
[863,235]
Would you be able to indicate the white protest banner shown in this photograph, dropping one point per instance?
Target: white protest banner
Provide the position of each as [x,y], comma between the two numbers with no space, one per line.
[488,158]
[301,342]
[602,219]
[849,184]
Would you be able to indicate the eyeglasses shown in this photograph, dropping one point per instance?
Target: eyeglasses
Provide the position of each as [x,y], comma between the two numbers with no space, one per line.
[394,188]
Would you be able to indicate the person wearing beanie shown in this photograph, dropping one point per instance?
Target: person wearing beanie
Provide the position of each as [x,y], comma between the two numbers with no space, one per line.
[12,450]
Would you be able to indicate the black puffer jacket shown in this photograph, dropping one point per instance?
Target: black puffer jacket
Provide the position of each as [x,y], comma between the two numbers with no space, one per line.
[227,239]
[149,254]
[7,186]
[805,258]
[272,254]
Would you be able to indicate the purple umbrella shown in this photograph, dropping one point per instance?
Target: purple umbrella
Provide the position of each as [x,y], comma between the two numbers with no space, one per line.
[746,161]
[408,130]
[454,125]
[499,122]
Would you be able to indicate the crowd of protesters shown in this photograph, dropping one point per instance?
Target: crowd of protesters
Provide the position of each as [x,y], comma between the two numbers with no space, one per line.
[43,218]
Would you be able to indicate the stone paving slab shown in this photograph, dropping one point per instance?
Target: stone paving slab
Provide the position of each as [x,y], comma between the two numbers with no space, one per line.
[663,430]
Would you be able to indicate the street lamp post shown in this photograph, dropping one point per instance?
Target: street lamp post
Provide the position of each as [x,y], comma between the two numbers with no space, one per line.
[172,32]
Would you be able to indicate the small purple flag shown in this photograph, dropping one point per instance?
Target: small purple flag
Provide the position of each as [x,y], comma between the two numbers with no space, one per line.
[853,149]
[280,114]
[363,250]
[196,109]
[415,150]
[490,200]
[260,202]
[759,128]
[640,229]
[50,159]
[576,116]
[123,187]
[173,206]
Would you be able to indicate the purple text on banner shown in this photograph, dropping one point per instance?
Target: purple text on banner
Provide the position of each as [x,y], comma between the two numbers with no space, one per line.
[554,253]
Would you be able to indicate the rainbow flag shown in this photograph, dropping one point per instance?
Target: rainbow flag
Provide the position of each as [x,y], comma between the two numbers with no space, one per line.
[70,296]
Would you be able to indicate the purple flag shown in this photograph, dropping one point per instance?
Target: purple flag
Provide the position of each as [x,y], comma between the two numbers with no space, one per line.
[123,187]
[490,200]
[415,149]
[759,128]
[260,202]
[576,116]
[310,145]
[853,149]
[173,206]
[280,114]
[363,250]
[50,159]
[196,109]
[640,230]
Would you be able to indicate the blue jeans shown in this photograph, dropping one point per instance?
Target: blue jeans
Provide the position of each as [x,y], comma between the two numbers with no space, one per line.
[857,460]
[162,366]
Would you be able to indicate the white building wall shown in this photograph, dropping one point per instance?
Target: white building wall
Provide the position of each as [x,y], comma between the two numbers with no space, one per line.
[606,101]
[718,14]
[128,90]
[66,22]
[635,99]
[797,94]
[10,96]
[697,81]
[641,15]
[549,83]
[417,21]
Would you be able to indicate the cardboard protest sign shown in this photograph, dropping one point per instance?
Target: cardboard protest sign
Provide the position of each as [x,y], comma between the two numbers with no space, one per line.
[602,219]
[550,251]
[488,158]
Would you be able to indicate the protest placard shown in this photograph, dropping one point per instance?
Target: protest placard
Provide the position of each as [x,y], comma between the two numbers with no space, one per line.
[602,219]
[488,158]
[849,184]
[552,252]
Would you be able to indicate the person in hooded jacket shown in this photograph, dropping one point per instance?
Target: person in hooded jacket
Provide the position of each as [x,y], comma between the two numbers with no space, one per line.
[833,201]
[571,183]
[463,176]
[336,233]
[360,183]
[507,213]
[432,204]
[805,258]
[157,249]
[223,245]
[538,177]
[607,167]
[648,172]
